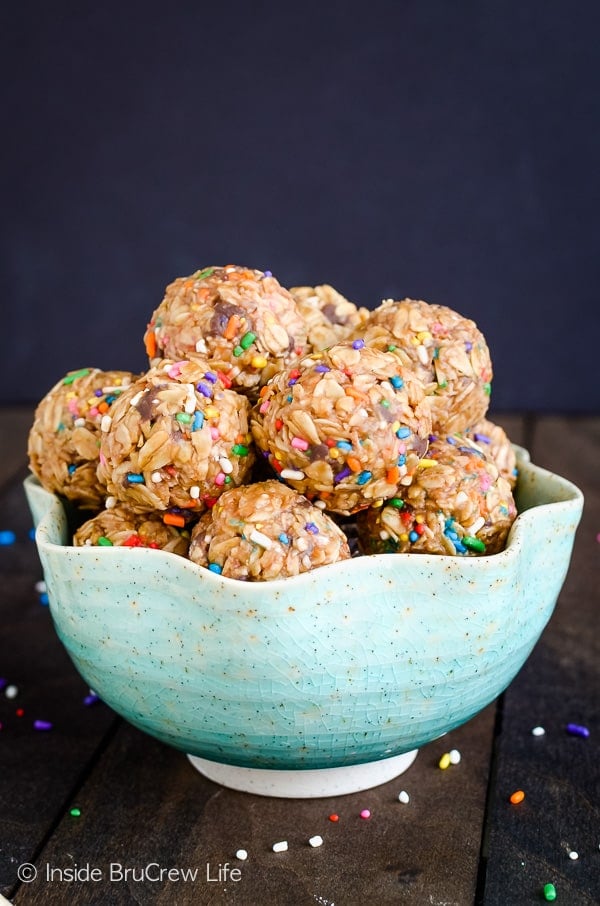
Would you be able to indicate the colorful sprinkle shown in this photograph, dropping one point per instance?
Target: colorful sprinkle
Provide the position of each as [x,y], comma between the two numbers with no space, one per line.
[538,731]
[198,421]
[549,892]
[174,519]
[74,375]
[455,756]
[299,443]
[403,797]
[403,432]
[247,340]
[7,537]
[444,761]
[103,541]
[517,797]
[240,450]
[577,730]
[280,847]
[365,814]
[473,544]
[135,478]
[358,344]
[75,812]
[11,691]
[364,477]
[334,818]
[293,474]
[215,568]
[42,725]
[90,699]
[312,528]
[396,382]
[317,840]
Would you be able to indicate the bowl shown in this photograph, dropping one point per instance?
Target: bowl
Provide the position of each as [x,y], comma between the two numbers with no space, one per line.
[328,682]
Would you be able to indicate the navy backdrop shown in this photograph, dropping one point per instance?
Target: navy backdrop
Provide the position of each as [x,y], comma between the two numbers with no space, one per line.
[445,151]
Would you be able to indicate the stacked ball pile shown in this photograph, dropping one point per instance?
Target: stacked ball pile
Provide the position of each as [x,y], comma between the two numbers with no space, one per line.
[267,417]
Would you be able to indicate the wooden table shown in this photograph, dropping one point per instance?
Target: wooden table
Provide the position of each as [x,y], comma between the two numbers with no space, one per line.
[142,808]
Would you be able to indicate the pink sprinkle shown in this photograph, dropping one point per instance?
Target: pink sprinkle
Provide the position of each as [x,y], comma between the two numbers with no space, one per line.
[220,479]
[214,433]
[93,412]
[102,458]
[365,814]
[264,406]
[485,482]
[299,443]
[598,537]
[401,448]
[73,407]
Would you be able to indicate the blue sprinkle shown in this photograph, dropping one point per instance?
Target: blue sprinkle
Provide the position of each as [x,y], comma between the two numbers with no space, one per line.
[31,533]
[289,398]
[403,433]
[413,537]
[44,600]
[110,399]
[135,478]
[215,568]
[396,382]
[364,477]
[344,445]
[402,459]
[198,420]
[358,344]
[7,537]
[312,528]
[436,353]
[284,538]
[71,469]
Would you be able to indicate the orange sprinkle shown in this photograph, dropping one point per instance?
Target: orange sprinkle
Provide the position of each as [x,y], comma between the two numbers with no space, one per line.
[353,463]
[517,797]
[102,407]
[392,475]
[174,519]
[150,344]
[231,328]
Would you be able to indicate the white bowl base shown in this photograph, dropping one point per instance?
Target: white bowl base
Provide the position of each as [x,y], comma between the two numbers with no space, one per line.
[309,784]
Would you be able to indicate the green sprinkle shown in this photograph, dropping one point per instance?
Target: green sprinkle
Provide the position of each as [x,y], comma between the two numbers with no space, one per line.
[549,892]
[75,812]
[392,348]
[240,449]
[385,403]
[103,541]
[474,544]
[76,374]
[200,275]
[442,384]
[183,417]
[487,388]
[237,351]
[247,340]
[397,502]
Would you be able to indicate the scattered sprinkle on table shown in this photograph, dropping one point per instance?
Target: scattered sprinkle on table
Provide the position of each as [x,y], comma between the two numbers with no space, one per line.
[317,840]
[75,812]
[42,725]
[40,587]
[573,855]
[241,854]
[538,731]
[577,730]
[11,691]
[280,847]
[7,537]
[549,892]
[517,797]
[454,756]
[403,797]
[444,761]
[334,817]
[365,814]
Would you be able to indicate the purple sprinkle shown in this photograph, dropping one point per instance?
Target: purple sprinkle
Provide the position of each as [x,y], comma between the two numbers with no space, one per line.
[204,389]
[91,699]
[267,274]
[3,682]
[341,475]
[312,528]
[322,368]
[292,381]
[468,345]
[42,725]
[577,730]
[482,438]
[98,392]
[211,376]
[451,441]
[432,438]
[358,344]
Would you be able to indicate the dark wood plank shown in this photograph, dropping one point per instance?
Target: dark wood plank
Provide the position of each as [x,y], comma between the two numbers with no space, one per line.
[145,803]
[39,770]
[15,422]
[529,843]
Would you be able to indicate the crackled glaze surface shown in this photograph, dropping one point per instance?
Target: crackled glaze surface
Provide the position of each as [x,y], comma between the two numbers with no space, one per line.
[354,662]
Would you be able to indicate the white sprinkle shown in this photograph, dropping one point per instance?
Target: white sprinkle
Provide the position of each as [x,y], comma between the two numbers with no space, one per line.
[403,797]
[110,502]
[11,691]
[105,423]
[475,526]
[573,855]
[292,474]
[258,538]
[226,465]
[306,561]
[423,355]
[156,477]
[117,388]
[135,399]
[316,840]
[79,422]
[280,847]
[241,854]
[301,544]
[320,504]
[40,587]
[384,535]
[200,345]
[538,731]
[454,756]
[194,492]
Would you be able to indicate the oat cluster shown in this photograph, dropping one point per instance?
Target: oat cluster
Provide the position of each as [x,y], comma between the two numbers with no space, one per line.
[273,423]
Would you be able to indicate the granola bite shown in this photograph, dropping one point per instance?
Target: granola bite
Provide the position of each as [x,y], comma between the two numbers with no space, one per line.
[64,440]
[458,503]
[495,443]
[346,427]
[176,440]
[120,527]
[241,321]
[447,351]
[266,531]
[329,316]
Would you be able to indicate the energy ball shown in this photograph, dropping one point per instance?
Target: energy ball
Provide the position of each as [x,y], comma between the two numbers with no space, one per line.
[64,440]
[329,316]
[120,527]
[346,427]
[494,441]
[457,503]
[266,531]
[447,352]
[176,440]
[241,321]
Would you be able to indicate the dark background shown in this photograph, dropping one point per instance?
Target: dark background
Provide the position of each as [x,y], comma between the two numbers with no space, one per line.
[446,151]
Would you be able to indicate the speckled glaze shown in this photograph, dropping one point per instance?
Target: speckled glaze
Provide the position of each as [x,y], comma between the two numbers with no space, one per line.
[355,662]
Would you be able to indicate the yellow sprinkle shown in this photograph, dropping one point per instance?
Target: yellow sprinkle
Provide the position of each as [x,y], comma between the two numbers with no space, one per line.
[423,335]
[415,341]
[259,361]
[427,463]
[211,412]
[395,426]
[334,453]
[377,503]
[403,536]
[444,761]
[70,395]
[419,518]
[278,455]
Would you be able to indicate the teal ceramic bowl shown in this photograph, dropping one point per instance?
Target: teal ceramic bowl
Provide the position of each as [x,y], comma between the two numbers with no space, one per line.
[353,666]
